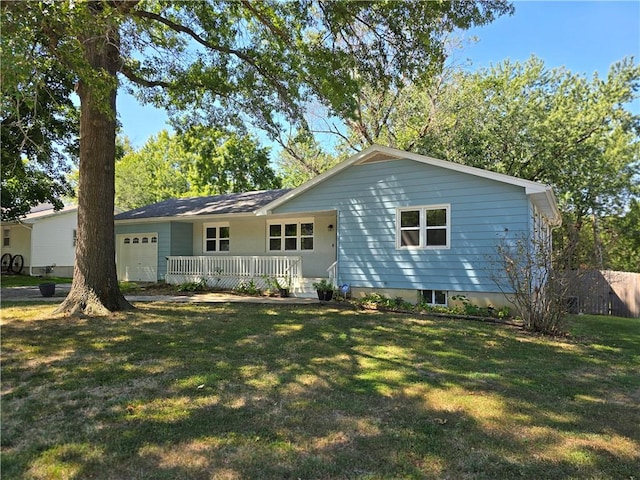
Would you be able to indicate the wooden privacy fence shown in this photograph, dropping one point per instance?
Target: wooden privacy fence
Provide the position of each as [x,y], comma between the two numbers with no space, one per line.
[605,292]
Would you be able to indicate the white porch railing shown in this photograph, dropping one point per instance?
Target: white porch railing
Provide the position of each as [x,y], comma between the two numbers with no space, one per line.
[229,271]
[333,273]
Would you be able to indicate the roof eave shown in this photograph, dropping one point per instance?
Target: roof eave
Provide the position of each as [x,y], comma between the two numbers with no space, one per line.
[183,217]
[546,203]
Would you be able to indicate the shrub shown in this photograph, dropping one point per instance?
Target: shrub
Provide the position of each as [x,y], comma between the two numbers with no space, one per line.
[524,272]
[198,286]
[248,288]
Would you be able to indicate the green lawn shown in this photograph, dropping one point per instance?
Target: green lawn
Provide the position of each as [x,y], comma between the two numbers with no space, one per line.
[25,280]
[237,391]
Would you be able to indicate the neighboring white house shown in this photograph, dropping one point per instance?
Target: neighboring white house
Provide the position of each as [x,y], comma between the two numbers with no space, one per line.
[45,238]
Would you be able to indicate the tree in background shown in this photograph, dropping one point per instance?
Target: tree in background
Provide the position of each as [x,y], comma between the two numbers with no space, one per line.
[303,158]
[38,125]
[221,62]
[221,162]
[151,174]
[201,161]
[550,126]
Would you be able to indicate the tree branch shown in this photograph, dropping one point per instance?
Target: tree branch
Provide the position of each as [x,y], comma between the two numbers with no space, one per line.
[282,91]
[265,21]
[128,72]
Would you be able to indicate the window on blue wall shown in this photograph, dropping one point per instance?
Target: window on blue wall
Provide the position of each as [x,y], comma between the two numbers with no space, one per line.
[423,227]
[434,297]
[216,237]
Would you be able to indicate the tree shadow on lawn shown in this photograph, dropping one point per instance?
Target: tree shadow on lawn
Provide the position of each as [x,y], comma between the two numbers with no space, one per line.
[237,391]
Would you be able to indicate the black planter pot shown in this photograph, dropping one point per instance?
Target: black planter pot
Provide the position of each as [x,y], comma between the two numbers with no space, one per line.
[325,295]
[47,289]
[284,292]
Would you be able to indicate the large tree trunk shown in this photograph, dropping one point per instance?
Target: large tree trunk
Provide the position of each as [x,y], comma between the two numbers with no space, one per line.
[95,289]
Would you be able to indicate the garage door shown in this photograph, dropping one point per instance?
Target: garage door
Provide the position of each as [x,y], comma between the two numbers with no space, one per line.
[137,257]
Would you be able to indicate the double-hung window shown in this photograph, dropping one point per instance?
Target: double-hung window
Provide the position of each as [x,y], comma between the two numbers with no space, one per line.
[423,227]
[290,236]
[6,237]
[216,237]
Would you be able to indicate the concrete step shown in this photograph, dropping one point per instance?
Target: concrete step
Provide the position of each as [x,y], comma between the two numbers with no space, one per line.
[306,289]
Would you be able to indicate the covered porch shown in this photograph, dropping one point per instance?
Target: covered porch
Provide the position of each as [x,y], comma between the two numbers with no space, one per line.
[228,272]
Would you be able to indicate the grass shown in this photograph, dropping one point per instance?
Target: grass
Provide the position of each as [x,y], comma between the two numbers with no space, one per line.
[235,391]
[8,281]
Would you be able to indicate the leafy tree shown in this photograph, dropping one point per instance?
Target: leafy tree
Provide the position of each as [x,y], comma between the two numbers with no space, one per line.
[201,161]
[151,174]
[225,162]
[38,124]
[550,126]
[612,240]
[303,158]
[224,61]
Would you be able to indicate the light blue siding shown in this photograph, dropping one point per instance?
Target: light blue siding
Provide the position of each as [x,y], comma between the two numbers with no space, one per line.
[366,198]
[181,238]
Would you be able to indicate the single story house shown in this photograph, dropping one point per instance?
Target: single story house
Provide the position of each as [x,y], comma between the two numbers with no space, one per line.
[44,238]
[384,220]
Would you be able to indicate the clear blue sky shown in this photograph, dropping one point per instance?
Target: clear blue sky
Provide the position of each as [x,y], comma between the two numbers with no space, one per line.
[583,36]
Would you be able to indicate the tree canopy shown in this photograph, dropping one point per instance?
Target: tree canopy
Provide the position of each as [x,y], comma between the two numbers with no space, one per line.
[38,123]
[201,161]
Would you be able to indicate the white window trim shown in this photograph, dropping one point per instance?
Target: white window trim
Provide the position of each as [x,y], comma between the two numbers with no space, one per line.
[423,227]
[299,235]
[433,296]
[216,225]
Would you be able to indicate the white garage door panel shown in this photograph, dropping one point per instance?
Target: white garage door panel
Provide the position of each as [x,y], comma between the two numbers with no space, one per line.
[137,257]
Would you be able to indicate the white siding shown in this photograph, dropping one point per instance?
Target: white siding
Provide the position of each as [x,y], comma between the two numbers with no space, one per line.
[52,240]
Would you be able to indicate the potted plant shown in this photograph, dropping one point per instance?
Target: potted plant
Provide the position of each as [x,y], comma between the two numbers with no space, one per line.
[47,289]
[274,284]
[324,289]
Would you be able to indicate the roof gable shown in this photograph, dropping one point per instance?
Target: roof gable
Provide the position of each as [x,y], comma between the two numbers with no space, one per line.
[541,195]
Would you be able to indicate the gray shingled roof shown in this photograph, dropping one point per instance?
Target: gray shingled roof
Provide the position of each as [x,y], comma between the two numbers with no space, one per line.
[246,202]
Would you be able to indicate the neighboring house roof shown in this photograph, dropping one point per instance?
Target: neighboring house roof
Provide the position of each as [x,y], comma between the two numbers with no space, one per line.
[541,195]
[45,210]
[230,203]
